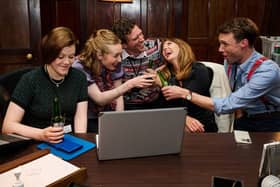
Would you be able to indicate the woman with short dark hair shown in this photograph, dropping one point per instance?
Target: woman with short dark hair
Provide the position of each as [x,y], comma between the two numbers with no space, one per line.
[30,109]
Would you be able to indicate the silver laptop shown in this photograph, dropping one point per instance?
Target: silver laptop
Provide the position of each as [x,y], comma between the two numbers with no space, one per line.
[140,133]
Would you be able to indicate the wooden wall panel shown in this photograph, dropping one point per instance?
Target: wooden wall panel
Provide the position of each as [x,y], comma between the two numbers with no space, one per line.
[89,17]
[48,14]
[19,34]
[219,11]
[273,26]
[179,19]
[133,11]
[158,18]
[195,21]
[197,27]
[100,15]
[103,15]
[68,14]
[257,14]
[9,26]
[254,9]
[56,13]
[198,24]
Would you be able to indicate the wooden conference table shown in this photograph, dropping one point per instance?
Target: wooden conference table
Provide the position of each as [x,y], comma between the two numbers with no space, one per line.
[203,156]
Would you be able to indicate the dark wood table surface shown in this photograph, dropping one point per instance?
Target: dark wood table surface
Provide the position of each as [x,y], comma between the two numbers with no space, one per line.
[203,156]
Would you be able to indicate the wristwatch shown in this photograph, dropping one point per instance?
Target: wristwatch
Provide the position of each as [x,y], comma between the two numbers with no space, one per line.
[189,96]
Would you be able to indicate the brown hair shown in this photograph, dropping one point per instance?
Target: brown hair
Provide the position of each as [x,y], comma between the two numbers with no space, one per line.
[98,42]
[55,41]
[123,27]
[242,28]
[185,59]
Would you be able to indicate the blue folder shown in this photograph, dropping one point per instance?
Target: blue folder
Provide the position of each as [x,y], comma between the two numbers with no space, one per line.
[87,145]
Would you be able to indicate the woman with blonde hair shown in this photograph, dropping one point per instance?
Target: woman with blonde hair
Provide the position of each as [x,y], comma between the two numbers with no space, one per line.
[100,61]
[182,71]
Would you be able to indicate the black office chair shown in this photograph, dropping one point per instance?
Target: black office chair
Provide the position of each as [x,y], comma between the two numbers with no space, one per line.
[8,82]
[4,99]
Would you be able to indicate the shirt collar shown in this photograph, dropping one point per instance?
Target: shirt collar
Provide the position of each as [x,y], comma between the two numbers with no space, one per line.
[251,60]
[141,55]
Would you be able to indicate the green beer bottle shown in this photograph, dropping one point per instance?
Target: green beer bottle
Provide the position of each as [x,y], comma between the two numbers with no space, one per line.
[162,79]
[57,118]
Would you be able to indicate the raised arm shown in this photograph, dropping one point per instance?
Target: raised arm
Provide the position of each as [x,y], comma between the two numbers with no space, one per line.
[103,98]
[173,92]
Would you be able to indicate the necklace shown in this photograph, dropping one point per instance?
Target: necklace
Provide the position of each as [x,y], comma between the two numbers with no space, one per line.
[56,83]
[131,61]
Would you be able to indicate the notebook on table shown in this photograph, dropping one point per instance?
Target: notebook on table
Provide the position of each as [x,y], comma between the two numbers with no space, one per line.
[140,133]
[71,147]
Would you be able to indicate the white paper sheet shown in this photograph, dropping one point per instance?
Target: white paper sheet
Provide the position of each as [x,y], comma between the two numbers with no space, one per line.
[242,137]
[40,172]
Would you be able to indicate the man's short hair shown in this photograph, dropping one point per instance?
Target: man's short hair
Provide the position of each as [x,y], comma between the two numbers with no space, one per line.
[242,28]
[123,27]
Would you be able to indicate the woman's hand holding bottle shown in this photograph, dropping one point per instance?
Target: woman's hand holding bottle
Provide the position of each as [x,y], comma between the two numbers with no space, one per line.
[55,133]
[52,134]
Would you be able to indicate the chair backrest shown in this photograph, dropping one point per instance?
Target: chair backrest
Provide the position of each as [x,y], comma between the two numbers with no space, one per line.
[8,82]
[220,88]
[4,99]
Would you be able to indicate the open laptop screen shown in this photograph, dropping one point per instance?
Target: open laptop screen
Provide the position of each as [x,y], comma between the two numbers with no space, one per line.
[139,133]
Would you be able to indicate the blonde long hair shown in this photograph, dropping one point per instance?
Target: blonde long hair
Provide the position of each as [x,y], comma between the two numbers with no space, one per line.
[185,59]
[97,43]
